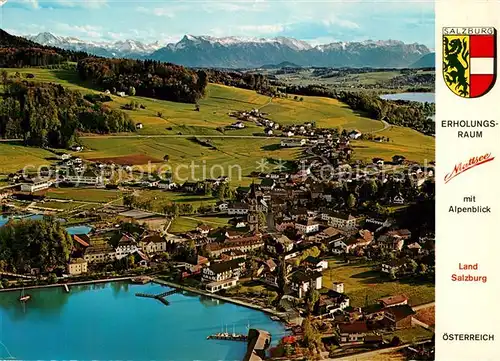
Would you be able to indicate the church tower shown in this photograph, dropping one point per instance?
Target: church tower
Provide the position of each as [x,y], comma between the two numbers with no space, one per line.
[253,213]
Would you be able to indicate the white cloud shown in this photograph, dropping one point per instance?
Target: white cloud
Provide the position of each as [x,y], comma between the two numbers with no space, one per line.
[235,6]
[89,4]
[262,29]
[168,11]
[343,23]
[87,31]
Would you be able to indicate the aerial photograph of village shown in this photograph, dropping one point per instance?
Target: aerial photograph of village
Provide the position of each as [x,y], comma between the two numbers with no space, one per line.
[217,180]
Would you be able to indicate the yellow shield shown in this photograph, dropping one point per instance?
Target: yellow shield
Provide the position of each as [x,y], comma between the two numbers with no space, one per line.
[456,60]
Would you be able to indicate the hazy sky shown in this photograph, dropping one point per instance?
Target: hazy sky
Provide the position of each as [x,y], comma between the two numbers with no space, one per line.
[167,21]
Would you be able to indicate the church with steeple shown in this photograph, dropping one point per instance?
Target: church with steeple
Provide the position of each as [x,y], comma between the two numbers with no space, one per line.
[253,213]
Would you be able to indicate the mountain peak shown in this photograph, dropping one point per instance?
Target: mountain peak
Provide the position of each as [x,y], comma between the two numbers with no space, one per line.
[247,52]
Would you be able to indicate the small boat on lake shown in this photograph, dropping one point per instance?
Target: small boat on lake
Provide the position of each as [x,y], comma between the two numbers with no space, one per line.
[275,318]
[24,297]
[228,336]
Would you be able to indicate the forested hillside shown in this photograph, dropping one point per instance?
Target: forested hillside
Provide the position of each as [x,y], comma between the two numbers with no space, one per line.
[404,113]
[45,114]
[27,244]
[145,78]
[18,52]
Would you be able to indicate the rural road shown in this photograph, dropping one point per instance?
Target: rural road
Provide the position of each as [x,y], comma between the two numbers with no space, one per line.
[386,126]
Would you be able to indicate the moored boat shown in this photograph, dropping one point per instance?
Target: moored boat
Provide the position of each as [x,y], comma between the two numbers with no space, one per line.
[24,297]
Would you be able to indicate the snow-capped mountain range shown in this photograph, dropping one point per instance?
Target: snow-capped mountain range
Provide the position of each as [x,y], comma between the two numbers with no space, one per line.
[237,52]
[126,48]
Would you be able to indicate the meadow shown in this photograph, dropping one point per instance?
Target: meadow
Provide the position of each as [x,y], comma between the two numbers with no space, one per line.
[167,127]
[83,194]
[413,145]
[362,283]
[185,224]
[188,160]
[347,81]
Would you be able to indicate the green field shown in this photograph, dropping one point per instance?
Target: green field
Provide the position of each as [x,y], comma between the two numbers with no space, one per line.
[364,281]
[14,157]
[63,206]
[413,145]
[236,148]
[347,81]
[158,198]
[84,194]
[233,157]
[214,109]
[185,224]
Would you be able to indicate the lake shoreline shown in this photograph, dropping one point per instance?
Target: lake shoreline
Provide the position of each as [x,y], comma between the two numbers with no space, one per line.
[76,283]
[121,313]
[219,297]
[160,282]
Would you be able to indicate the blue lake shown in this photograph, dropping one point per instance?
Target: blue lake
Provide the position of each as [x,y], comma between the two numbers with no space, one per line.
[78,229]
[83,229]
[5,219]
[108,322]
[415,97]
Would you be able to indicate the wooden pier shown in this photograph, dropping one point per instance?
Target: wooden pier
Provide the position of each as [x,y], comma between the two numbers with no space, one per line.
[160,297]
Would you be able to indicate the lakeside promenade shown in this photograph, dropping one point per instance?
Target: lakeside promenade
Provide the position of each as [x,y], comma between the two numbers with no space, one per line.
[76,283]
[269,311]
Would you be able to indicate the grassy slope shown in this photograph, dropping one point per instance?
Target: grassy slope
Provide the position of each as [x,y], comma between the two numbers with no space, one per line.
[83,194]
[361,281]
[214,109]
[404,141]
[14,157]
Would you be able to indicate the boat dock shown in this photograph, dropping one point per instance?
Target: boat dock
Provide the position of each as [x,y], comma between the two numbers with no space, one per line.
[228,337]
[160,297]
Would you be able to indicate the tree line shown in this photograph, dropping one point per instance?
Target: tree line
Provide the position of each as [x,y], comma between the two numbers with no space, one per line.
[250,81]
[18,52]
[49,115]
[28,244]
[148,78]
[409,114]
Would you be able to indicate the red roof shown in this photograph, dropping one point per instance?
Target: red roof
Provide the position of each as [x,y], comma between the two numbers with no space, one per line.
[80,240]
[393,300]
[355,327]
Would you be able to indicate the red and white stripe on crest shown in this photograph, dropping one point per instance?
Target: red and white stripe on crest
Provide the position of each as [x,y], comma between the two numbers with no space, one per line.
[482,63]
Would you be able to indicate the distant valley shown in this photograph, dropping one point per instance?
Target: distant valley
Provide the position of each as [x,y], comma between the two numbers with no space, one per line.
[233,52]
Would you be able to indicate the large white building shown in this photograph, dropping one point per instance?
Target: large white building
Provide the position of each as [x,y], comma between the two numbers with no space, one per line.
[307,226]
[153,244]
[126,245]
[222,271]
[340,220]
[301,281]
[237,208]
[35,185]
[87,177]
